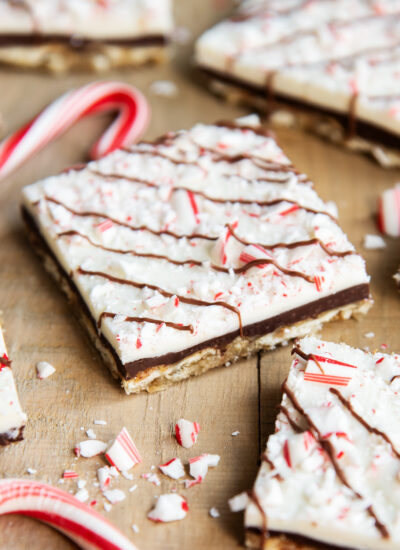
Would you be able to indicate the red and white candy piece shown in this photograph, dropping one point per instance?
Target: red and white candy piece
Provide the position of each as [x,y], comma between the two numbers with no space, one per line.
[44,370]
[90,447]
[70,474]
[326,370]
[123,453]
[389,211]
[97,97]
[186,432]
[169,507]
[298,447]
[226,249]
[173,468]
[88,529]
[104,476]
[198,466]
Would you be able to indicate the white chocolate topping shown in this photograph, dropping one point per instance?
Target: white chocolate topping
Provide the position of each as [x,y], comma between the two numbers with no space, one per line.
[91,19]
[197,233]
[341,55]
[11,416]
[331,470]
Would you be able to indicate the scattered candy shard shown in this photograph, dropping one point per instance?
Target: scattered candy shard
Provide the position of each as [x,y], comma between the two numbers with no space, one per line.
[90,433]
[88,529]
[59,36]
[199,465]
[70,474]
[239,502]
[44,370]
[374,242]
[173,468]
[214,512]
[169,507]
[152,478]
[123,453]
[12,418]
[82,495]
[389,211]
[90,447]
[292,268]
[186,432]
[329,473]
[331,67]
[114,495]
[165,88]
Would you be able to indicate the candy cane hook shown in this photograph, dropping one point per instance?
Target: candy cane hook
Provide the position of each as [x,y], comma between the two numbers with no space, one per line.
[56,118]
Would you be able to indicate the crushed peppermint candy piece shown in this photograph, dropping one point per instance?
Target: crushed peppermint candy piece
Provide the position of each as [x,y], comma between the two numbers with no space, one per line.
[114,495]
[173,468]
[186,432]
[374,242]
[104,476]
[81,483]
[90,447]
[135,528]
[238,502]
[236,433]
[31,471]
[133,488]
[127,475]
[70,474]
[165,88]
[44,370]
[152,478]
[169,507]
[82,495]
[107,506]
[123,453]
[100,422]
[369,335]
[199,467]
[214,513]
[90,433]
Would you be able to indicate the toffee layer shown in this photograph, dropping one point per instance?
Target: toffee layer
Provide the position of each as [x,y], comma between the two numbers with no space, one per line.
[351,127]
[130,370]
[291,541]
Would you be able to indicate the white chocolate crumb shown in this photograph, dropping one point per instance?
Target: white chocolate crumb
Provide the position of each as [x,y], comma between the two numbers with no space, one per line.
[238,502]
[374,242]
[214,513]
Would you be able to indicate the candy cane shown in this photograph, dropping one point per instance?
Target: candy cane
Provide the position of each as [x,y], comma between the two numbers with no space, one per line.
[132,120]
[88,529]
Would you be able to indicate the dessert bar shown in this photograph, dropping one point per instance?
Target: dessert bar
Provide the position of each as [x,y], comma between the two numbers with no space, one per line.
[188,252]
[63,34]
[331,66]
[330,473]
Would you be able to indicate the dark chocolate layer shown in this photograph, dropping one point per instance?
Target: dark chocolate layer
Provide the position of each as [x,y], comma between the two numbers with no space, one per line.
[368,131]
[5,438]
[79,42]
[130,370]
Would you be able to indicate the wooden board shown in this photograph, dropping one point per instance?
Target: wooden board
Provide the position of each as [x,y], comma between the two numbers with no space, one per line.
[39,326]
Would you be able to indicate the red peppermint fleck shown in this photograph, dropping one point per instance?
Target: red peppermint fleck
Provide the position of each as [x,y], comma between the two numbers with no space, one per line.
[218,295]
[379,361]
[339,455]
[185,506]
[138,343]
[289,210]
[176,303]
[286,453]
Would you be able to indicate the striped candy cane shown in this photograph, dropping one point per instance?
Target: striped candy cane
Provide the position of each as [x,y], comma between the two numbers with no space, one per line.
[97,97]
[88,529]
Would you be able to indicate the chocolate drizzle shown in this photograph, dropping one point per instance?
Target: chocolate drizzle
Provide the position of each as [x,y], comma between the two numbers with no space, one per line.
[330,452]
[184,299]
[159,322]
[346,403]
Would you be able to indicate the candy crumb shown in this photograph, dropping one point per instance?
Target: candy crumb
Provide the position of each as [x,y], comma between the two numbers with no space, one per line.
[374,242]
[31,471]
[214,513]
[44,370]
[135,528]
[238,502]
[100,422]
[234,434]
[369,335]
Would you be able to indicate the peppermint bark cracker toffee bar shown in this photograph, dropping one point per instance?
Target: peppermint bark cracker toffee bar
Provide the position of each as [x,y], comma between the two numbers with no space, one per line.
[186,253]
[12,419]
[330,473]
[331,66]
[62,34]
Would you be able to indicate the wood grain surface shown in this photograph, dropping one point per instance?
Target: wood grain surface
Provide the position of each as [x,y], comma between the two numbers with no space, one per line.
[38,326]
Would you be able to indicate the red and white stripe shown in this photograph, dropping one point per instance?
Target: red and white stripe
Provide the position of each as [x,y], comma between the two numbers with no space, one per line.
[56,118]
[186,432]
[389,212]
[123,453]
[88,529]
[331,372]
[70,474]
[253,252]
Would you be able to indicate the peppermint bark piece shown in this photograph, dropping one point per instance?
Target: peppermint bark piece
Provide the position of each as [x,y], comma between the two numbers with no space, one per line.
[12,418]
[186,253]
[330,473]
[59,35]
[329,66]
